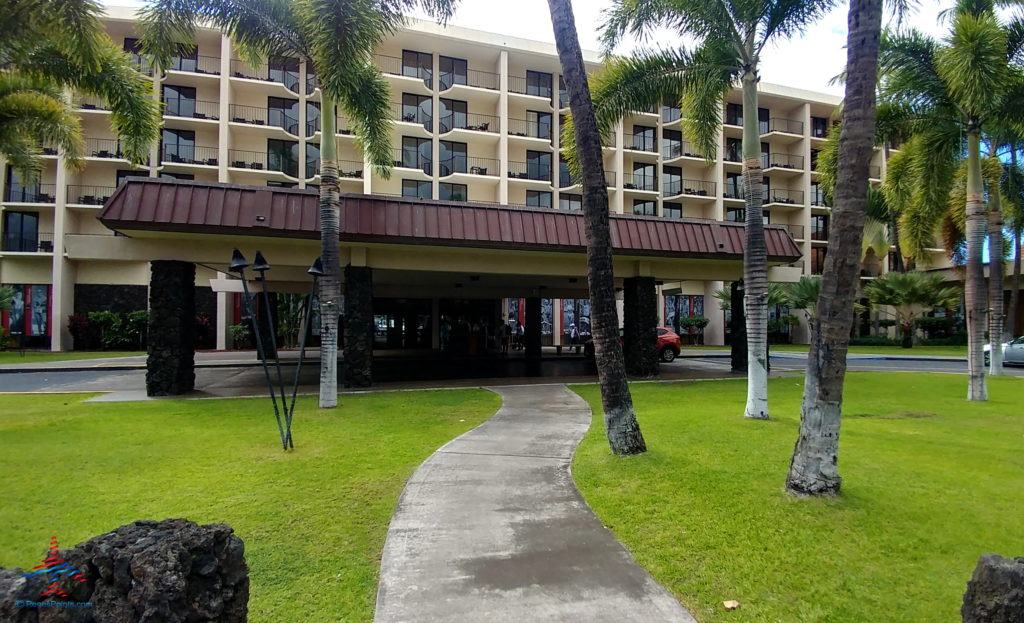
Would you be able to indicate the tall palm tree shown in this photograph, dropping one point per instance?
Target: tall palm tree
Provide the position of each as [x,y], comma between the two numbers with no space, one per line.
[731,35]
[1013,189]
[48,47]
[814,466]
[621,426]
[943,94]
[337,39]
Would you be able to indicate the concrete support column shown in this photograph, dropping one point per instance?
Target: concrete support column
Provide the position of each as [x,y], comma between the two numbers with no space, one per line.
[62,290]
[170,367]
[223,316]
[503,134]
[224,107]
[640,320]
[358,322]
[738,327]
[714,334]
[531,336]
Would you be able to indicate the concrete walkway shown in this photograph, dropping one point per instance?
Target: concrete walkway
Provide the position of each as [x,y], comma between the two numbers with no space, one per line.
[491,528]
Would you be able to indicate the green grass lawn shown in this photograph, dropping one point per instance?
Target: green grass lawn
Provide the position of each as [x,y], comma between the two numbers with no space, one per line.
[36,356]
[918,351]
[930,483]
[313,520]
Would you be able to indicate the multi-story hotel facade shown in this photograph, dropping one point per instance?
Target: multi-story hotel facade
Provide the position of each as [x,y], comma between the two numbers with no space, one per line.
[477,118]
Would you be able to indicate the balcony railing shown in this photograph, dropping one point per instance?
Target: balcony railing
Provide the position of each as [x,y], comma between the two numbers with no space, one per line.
[469,121]
[673,150]
[347,169]
[396,67]
[519,84]
[819,233]
[529,171]
[783,196]
[734,191]
[91,103]
[670,114]
[818,199]
[782,161]
[532,129]
[470,165]
[411,159]
[796,231]
[472,78]
[262,161]
[638,181]
[563,98]
[641,143]
[778,124]
[412,114]
[272,117]
[198,64]
[192,109]
[40,193]
[178,154]
[18,242]
[103,148]
[140,63]
[266,73]
[693,188]
[89,195]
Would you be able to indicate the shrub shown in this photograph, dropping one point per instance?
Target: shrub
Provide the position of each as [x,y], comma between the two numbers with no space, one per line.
[240,335]
[84,333]
[695,322]
[107,330]
[935,327]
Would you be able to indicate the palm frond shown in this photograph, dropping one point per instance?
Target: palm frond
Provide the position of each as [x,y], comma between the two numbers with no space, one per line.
[33,113]
[366,99]
[782,19]
[973,63]
[641,18]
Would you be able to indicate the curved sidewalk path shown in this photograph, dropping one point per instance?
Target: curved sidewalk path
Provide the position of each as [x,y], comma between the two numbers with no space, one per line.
[491,528]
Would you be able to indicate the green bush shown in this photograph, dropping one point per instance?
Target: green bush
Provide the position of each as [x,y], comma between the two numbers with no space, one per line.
[240,335]
[885,323]
[695,322]
[874,340]
[107,330]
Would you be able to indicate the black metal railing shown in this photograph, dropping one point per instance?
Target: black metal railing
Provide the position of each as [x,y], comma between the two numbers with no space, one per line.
[469,121]
[39,193]
[778,124]
[532,129]
[192,109]
[266,73]
[783,196]
[347,169]
[796,231]
[670,114]
[179,154]
[642,143]
[519,84]
[198,64]
[140,63]
[819,233]
[103,148]
[411,159]
[20,242]
[782,161]
[472,78]
[693,188]
[312,82]
[673,150]
[262,161]
[471,165]
[529,171]
[818,199]
[388,64]
[733,191]
[259,115]
[89,195]
[639,181]
[412,114]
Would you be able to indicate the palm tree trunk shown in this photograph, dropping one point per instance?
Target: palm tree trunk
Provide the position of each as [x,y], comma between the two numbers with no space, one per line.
[755,259]
[330,282]
[814,468]
[894,224]
[623,431]
[995,282]
[974,292]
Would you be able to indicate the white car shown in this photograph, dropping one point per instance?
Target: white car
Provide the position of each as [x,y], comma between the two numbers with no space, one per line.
[1013,352]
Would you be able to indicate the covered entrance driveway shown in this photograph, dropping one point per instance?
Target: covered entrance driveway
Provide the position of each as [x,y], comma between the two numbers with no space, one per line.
[401,255]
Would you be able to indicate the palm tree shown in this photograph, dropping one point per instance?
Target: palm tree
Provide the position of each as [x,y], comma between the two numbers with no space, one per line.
[337,39]
[730,37]
[623,431]
[943,95]
[1013,189]
[804,295]
[48,48]
[910,294]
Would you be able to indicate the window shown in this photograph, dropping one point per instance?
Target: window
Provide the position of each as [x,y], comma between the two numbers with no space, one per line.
[763,115]
[644,138]
[734,114]
[312,118]
[283,113]
[30,311]
[312,82]
[671,144]
[538,198]
[417,109]
[284,70]
[172,176]
[454,114]
[671,181]
[735,215]
[416,154]
[765,160]
[644,177]
[539,123]
[123,174]
[818,195]
[733,149]
[132,45]
[564,174]
[819,227]
[21,232]
[416,188]
[418,65]
[818,259]
[733,186]
[186,59]
[538,83]
[178,145]
[671,209]
[453,71]
[134,50]
[312,159]
[453,192]
[563,94]
[283,156]
[645,207]
[670,113]
[814,159]
[538,165]
[819,127]
[17,191]
[179,101]
[570,202]
[453,158]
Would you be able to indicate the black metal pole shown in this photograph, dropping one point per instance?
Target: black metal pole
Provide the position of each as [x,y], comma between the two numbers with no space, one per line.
[290,412]
[263,360]
[273,342]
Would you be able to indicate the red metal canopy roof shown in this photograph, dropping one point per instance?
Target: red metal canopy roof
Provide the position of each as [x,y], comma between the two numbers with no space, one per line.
[151,204]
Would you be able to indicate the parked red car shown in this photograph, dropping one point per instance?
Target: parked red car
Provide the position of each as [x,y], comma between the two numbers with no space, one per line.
[669,344]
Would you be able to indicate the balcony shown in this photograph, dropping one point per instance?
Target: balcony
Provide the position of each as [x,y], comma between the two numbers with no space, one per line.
[779,196]
[89,195]
[671,151]
[641,143]
[469,121]
[192,155]
[819,234]
[107,148]
[140,63]
[262,161]
[412,114]
[529,171]
[270,117]
[92,103]
[530,129]
[519,84]
[347,169]
[411,159]
[784,126]
[734,191]
[470,165]
[265,72]
[394,66]
[796,231]
[196,64]
[691,188]
[638,181]
[818,199]
[20,242]
[192,109]
[472,78]
[782,161]
[40,193]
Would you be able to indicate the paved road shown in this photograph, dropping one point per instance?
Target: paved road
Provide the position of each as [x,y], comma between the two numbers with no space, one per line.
[786,362]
